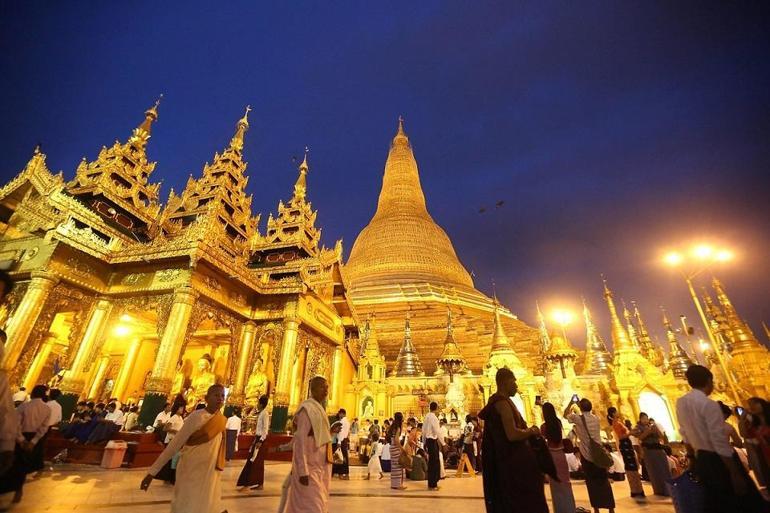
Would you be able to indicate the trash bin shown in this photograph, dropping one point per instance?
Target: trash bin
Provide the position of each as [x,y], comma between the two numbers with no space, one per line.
[114,452]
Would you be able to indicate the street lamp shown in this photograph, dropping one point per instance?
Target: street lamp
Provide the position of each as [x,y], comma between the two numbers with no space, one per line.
[563,318]
[698,260]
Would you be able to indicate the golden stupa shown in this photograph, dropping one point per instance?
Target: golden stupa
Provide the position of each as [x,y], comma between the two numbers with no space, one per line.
[402,261]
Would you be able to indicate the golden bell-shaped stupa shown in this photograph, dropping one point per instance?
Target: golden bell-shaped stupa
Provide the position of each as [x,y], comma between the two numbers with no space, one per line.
[402,243]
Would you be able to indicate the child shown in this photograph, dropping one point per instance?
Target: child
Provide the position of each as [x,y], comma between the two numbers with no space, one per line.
[374,457]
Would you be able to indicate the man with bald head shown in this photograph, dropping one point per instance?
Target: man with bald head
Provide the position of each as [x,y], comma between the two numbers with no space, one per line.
[311,464]
[201,445]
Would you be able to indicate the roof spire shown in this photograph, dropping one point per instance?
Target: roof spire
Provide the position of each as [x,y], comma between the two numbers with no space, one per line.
[400,137]
[620,339]
[151,115]
[300,187]
[236,143]
[408,363]
[597,359]
[451,360]
[678,361]
[545,339]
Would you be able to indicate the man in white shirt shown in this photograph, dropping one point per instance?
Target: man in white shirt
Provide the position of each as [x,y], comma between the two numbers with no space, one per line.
[431,430]
[33,417]
[343,440]
[232,430]
[727,486]
[54,406]
[20,396]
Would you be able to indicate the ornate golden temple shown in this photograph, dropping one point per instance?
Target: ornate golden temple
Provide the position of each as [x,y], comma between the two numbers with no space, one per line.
[118,295]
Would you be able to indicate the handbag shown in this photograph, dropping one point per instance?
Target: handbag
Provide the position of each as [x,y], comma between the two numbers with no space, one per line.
[338,458]
[599,455]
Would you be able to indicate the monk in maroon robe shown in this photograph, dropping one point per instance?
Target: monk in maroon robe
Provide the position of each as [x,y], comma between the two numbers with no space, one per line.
[512,480]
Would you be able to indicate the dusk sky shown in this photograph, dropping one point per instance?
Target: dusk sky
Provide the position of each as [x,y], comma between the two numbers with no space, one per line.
[610,130]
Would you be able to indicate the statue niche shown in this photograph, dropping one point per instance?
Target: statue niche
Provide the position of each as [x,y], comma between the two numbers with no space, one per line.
[203,379]
[257,385]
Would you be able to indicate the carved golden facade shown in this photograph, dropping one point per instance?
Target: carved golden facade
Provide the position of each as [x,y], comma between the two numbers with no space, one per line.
[119,296]
[116,297]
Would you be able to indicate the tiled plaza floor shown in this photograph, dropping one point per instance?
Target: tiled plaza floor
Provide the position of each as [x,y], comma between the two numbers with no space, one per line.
[88,488]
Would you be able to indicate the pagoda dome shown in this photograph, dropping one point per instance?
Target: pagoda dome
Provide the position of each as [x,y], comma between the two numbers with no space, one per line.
[402,244]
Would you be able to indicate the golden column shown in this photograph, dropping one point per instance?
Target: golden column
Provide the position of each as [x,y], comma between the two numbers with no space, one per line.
[124,374]
[101,370]
[23,320]
[168,354]
[284,380]
[33,373]
[248,334]
[337,379]
[73,384]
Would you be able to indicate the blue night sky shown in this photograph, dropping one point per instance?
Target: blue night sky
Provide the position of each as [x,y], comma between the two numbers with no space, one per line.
[611,130]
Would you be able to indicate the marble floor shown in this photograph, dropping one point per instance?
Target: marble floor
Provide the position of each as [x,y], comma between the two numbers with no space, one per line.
[86,488]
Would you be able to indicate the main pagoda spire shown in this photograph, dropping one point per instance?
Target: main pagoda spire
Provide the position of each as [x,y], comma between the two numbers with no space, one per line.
[402,244]
[117,184]
[598,359]
[408,363]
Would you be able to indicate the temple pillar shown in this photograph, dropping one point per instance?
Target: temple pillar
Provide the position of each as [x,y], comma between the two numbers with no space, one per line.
[248,334]
[337,380]
[96,383]
[284,379]
[74,382]
[24,318]
[169,351]
[126,368]
[36,367]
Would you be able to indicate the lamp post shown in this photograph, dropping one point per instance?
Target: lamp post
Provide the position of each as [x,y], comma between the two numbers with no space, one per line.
[703,257]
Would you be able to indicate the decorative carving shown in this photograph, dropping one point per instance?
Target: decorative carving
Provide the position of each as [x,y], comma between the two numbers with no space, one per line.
[212,283]
[132,279]
[78,267]
[168,275]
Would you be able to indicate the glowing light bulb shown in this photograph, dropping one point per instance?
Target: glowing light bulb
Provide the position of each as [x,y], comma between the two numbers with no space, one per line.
[563,317]
[703,251]
[673,258]
[724,255]
[121,330]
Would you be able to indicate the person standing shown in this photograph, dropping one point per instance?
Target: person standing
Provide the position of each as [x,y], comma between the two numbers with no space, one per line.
[374,465]
[588,430]
[654,455]
[431,430]
[627,452]
[53,404]
[20,396]
[28,457]
[312,454]
[754,425]
[201,444]
[394,439]
[375,428]
[512,479]
[161,419]
[343,440]
[253,473]
[232,430]
[726,484]
[561,491]
[468,439]
[9,418]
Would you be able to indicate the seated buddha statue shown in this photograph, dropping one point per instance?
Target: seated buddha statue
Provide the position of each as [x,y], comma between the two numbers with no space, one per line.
[203,379]
[256,386]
